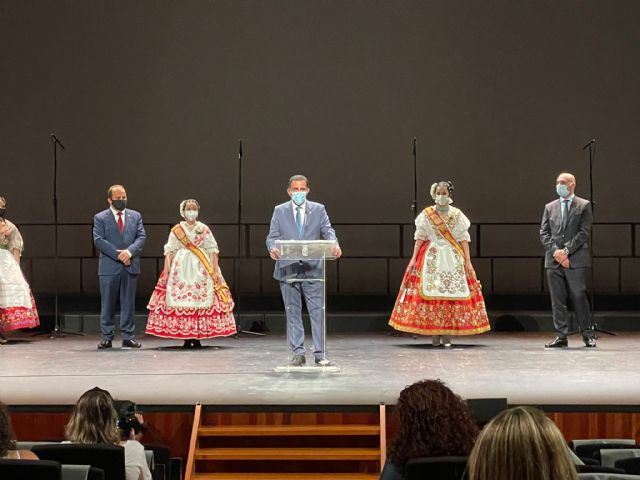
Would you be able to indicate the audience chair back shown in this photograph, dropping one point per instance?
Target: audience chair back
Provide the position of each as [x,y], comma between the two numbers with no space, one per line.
[591,448]
[437,468]
[607,476]
[29,469]
[109,458]
[629,465]
[608,458]
[161,461]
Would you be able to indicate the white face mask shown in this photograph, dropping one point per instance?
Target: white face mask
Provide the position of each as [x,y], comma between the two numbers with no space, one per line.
[442,200]
[191,215]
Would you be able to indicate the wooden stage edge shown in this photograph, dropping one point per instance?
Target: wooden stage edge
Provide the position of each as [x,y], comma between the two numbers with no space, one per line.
[171,424]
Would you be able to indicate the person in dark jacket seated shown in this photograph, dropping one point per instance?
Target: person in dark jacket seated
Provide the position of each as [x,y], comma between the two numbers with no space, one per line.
[434,422]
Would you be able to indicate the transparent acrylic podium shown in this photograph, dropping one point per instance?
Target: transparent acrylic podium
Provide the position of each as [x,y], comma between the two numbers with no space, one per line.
[309,251]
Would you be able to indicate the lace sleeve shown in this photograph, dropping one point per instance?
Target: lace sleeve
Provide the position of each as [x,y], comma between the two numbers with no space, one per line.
[15,239]
[172,245]
[422,228]
[461,230]
[210,245]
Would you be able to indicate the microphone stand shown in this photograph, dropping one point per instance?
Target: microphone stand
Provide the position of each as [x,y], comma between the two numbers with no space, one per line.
[414,204]
[236,270]
[414,214]
[58,330]
[594,325]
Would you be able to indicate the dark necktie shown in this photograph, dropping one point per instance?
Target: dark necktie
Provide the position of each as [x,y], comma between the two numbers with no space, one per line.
[120,223]
[565,213]
[299,222]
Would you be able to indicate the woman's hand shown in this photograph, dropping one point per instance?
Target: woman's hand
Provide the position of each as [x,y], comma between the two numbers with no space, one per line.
[412,265]
[162,281]
[469,268]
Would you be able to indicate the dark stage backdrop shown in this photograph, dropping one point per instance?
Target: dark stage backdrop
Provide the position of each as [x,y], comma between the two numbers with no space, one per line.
[155,95]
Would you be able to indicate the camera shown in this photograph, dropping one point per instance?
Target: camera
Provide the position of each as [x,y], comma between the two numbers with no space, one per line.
[127,420]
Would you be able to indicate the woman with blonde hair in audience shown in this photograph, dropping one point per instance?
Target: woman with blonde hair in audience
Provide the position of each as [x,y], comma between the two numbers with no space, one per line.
[521,444]
[434,422]
[94,421]
[7,443]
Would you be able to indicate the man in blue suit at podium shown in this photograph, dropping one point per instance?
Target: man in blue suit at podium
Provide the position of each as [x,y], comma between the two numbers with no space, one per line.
[118,234]
[301,219]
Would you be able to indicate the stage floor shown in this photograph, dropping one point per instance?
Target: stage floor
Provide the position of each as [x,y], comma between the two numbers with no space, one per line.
[374,368]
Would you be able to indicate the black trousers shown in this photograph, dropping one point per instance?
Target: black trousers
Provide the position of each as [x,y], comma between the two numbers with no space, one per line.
[565,283]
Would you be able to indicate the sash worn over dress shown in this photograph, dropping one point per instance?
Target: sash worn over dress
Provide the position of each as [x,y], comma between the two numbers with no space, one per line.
[439,298]
[17,306]
[191,305]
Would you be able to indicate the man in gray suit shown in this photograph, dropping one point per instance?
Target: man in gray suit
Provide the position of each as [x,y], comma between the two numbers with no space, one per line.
[118,234]
[565,233]
[300,219]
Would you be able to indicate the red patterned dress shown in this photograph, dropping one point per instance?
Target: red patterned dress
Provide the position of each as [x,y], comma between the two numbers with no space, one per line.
[17,306]
[190,305]
[439,297]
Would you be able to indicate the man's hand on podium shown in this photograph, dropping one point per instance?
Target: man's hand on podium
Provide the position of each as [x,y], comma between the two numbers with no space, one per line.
[337,251]
[274,253]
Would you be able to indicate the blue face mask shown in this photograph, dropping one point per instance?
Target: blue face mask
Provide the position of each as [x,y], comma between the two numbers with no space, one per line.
[298,197]
[562,190]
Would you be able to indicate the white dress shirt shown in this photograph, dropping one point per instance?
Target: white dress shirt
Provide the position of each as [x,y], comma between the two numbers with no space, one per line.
[115,214]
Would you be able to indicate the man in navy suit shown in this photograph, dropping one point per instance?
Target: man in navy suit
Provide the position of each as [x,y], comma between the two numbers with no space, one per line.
[565,232]
[300,219]
[118,233]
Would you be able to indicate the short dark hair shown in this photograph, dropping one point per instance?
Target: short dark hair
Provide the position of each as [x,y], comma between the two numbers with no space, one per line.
[298,178]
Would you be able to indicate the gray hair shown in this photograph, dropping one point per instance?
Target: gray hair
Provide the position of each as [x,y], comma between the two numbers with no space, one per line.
[298,178]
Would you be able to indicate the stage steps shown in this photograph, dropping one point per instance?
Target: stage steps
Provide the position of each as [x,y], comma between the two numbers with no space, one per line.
[285,476]
[268,452]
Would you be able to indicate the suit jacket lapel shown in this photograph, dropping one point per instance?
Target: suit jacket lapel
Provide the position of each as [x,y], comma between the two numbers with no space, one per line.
[111,221]
[128,223]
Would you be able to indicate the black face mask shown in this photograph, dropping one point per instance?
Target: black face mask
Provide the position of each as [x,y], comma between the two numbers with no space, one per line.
[3,210]
[119,204]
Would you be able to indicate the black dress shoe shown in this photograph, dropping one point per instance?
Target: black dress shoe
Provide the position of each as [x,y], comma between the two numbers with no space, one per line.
[3,340]
[196,344]
[104,344]
[128,344]
[187,344]
[324,362]
[297,361]
[589,342]
[558,343]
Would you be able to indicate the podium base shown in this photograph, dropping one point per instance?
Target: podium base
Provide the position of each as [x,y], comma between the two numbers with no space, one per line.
[307,368]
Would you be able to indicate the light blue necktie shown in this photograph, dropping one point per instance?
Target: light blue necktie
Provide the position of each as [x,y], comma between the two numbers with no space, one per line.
[299,222]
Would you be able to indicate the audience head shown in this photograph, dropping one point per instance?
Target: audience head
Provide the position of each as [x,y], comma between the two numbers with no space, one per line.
[434,422]
[6,432]
[94,419]
[521,444]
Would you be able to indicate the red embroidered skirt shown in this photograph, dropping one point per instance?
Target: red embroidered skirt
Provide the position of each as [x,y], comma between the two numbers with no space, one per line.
[414,314]
[15,318]
[187,323]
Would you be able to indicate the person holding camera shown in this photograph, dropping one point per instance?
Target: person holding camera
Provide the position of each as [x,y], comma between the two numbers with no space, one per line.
[94,420]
